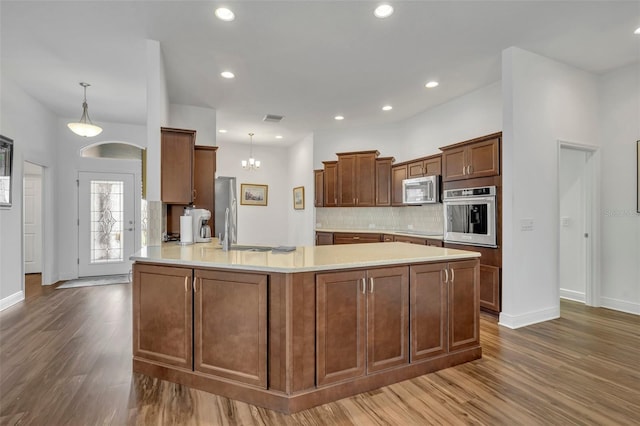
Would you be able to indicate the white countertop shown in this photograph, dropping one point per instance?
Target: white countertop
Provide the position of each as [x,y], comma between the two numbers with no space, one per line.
[407,233]
[303,259]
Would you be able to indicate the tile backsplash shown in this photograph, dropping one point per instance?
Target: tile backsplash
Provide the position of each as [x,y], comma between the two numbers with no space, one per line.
[427,218]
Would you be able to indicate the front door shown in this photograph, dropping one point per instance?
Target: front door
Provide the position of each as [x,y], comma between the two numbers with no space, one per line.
[106,223]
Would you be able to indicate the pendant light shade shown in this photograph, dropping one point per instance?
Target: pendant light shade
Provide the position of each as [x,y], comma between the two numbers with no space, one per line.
[85,127]
[252,163]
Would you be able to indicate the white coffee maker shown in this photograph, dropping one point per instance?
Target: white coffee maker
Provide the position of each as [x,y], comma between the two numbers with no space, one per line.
[201,228]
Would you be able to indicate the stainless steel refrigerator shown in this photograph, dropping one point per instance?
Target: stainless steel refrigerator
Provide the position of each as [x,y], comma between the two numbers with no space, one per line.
[226,198]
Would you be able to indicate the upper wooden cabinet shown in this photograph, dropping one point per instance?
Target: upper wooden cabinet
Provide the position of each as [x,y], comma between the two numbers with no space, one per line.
[357,179]
[176,165]
[472,159]
[398,174]
[318,179]
[330,183]
[427,166]
[383,181]
[204,176]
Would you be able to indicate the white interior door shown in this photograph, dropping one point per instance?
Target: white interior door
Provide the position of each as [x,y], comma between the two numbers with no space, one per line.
[33,223]
[106,206]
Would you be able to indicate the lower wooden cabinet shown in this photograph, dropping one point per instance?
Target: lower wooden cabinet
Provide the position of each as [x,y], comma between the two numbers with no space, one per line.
[324,238]
[162,314]
[428,311]
[230,331]
[490,287]
[362,322]
[355,238]
[464,304]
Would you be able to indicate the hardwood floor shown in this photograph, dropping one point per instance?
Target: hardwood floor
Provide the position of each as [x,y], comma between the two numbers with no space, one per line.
[65,358]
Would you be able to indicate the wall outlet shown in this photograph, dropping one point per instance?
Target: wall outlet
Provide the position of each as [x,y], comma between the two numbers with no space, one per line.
[318,225]
[526,224]
[565,221]
[372,225]
[409,226]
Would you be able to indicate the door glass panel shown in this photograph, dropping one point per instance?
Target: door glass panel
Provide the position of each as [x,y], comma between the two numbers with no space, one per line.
[107,211]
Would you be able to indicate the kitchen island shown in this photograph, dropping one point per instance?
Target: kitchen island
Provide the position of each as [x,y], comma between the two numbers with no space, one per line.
[292,330]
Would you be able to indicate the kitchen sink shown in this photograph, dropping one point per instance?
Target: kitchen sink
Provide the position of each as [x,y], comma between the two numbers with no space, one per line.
[250,248]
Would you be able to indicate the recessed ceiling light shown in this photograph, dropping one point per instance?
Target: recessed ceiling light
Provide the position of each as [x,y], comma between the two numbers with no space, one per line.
[383,11]
[637,31]
[225,14]
[222,131]
[227,74]
[387,108]
[431,84]
[278,136]
[339,117]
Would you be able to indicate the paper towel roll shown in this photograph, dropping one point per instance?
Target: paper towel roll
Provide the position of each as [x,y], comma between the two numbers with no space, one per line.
[186,229]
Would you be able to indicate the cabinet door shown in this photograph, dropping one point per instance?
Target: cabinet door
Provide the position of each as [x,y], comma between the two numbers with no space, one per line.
[428,311]
[453,164]
[433,166]
[347,180]
[434,243]
[230,338]
[490,287]
[387,318]
[415,169]
[340,326]
[331,184]
[204,176]
[318,178]
[176,169]
[398,174]
[483,158]
[410,240]
[383,181]
[324,238]
[365,180]
[464,304]
[162,314]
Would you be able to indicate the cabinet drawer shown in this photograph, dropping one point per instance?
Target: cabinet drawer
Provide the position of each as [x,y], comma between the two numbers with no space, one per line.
[355,238]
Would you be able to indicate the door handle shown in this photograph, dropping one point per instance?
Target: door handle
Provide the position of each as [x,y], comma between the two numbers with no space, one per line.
[129,229]
[364,285]
[186,289]
[371,285]
[453,276]
[446,275]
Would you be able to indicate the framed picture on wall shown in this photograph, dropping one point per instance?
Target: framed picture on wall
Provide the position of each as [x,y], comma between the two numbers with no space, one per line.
[253,194]
[6,169]
[298,198]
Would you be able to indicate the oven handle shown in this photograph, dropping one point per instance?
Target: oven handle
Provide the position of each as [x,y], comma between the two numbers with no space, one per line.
[469,200]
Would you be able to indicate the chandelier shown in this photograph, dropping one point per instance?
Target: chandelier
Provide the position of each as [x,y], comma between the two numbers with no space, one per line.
[85,127]
[252,164]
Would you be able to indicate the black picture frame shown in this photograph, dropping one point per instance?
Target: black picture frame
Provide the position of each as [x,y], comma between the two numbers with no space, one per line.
[6,170]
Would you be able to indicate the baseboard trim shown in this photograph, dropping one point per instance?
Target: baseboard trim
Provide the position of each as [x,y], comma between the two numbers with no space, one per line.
[9,301]
[620,305]
[576,296]
[517,321]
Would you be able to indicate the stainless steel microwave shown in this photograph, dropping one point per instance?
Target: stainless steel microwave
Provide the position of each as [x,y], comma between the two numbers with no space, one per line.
[421,190]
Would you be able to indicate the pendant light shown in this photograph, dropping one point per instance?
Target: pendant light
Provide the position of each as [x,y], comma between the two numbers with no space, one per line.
[85,127]
[252,164]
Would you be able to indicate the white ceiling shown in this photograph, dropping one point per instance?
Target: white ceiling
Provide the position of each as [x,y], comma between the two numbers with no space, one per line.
[306,60]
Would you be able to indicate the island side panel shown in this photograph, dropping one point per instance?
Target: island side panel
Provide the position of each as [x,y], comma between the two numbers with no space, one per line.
[291,332]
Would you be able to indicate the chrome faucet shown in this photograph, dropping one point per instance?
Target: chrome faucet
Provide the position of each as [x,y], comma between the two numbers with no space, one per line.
[226,244]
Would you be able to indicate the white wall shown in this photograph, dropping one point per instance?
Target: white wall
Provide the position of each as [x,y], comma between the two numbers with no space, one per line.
[202,120]
[544,101]
[572,253]
[301,222]
[620,129]
[66,192]
[33,129]
[259,224]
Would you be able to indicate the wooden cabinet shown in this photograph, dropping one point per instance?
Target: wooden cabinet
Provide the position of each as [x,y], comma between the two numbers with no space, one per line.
[444,308]
[355,238]
[330,183]
[434,242]
[383,181]
[230,327]
[162,314]
[426,166]
[324,238]
[490,287]
[418,240]
[356,179]
[428,311]
[362,322]
[318,179]
[398,174]
[204,176]
[176,165]
[472,159]
[387,238]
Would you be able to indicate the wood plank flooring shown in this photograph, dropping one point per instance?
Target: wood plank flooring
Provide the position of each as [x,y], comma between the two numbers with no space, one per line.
[65,359]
